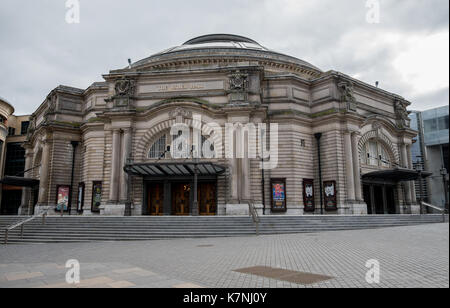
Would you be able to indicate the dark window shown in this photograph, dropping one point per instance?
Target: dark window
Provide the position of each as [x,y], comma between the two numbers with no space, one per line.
[430,125]
[11,131]
[443,123]
[25,126]
[15,159]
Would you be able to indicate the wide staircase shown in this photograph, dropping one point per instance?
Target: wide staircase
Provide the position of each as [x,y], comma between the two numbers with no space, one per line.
[87,229]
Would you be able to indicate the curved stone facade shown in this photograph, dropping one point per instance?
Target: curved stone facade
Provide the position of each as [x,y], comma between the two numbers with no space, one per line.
[210,83]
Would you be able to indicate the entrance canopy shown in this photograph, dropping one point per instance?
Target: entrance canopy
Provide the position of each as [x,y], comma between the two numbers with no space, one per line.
[162,169]
[19,181]
[396,175]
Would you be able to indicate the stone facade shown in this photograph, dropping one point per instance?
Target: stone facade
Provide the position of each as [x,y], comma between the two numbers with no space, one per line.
[225,79]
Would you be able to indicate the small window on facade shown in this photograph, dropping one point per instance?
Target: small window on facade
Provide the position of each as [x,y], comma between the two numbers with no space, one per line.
[158,148]
[11,131]
[25,125]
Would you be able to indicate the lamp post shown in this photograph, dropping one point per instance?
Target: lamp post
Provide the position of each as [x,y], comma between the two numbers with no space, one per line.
[318,137]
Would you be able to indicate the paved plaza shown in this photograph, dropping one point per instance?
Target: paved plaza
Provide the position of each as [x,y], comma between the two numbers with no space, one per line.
[415,256]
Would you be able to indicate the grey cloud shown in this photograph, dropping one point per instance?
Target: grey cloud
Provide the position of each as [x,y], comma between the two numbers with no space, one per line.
[40,51]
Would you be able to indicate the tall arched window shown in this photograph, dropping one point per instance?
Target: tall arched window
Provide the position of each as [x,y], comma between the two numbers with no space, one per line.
[375,154]
[158,148]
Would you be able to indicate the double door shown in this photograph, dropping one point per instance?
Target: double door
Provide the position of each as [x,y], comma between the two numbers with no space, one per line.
[177,198]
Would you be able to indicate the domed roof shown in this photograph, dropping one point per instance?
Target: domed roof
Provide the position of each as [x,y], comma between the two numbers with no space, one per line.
[224,46]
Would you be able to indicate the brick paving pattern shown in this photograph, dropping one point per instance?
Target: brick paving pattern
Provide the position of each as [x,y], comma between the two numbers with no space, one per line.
[409,257]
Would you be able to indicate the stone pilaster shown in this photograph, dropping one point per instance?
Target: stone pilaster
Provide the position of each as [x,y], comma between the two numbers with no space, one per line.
[44,178]
[349,166]
[357,167]
[406,185]
[115,165]
[26,191]
[126,151]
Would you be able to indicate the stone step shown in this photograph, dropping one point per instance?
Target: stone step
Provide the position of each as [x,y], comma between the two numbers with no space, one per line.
[83,229]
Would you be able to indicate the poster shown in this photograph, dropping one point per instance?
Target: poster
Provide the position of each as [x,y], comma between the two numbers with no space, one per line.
[308,195]
[330,195]
[96,196]
[279,195]
[62,198]
[80,199]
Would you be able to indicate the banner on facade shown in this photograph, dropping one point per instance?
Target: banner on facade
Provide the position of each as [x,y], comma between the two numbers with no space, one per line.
[278,195]
[96,197]
[308,195]
[330,195]
[80,199]
[62,197]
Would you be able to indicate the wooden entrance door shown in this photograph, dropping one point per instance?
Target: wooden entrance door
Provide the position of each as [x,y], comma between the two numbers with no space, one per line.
[155,203]
[181,194]
[207,201]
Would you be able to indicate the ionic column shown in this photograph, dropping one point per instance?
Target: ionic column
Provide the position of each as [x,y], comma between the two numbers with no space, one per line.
[406,185]
[44,175]
[115,165]
[26,191]
[126,150]
[356,167]
[349,166]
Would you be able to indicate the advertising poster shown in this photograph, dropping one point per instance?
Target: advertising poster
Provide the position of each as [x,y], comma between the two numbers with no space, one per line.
[308,195]
[330,195]
[96,196]
[278,195]
[63,193]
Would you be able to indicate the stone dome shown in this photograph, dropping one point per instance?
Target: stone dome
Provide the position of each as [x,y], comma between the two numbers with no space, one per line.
[225,47]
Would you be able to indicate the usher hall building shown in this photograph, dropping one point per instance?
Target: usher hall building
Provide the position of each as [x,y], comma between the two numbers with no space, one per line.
[340,146]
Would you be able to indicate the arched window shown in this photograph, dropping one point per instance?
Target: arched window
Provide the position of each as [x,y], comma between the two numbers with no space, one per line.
[158,148]
[375,154]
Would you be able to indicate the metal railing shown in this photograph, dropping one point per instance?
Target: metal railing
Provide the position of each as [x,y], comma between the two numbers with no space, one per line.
[254,214]
[437,208]
[22,223]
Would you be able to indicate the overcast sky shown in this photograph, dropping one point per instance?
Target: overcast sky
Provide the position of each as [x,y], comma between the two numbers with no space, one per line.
[407,52]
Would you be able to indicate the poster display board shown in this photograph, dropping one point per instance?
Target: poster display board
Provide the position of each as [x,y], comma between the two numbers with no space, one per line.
[330,195]
[96,197]
[278,193]
[62,198]
[308,195]
[80,198]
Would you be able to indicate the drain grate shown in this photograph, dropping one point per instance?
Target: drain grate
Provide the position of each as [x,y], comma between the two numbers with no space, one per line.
[284,275]
[205,246]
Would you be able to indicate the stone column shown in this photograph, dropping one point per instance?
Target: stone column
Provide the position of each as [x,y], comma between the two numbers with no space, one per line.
[115,172]
[26,191]
[349,166]
[246,168]
[357,167]
[235,170]
[44,175]
[126,150]
[406,185]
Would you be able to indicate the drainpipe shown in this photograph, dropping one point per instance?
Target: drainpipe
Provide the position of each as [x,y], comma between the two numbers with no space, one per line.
[74,147]
[318,137]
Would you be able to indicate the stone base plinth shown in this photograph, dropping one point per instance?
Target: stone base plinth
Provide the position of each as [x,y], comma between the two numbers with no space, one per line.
[415,209]
[112,210]
[237,210]
[359,208]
